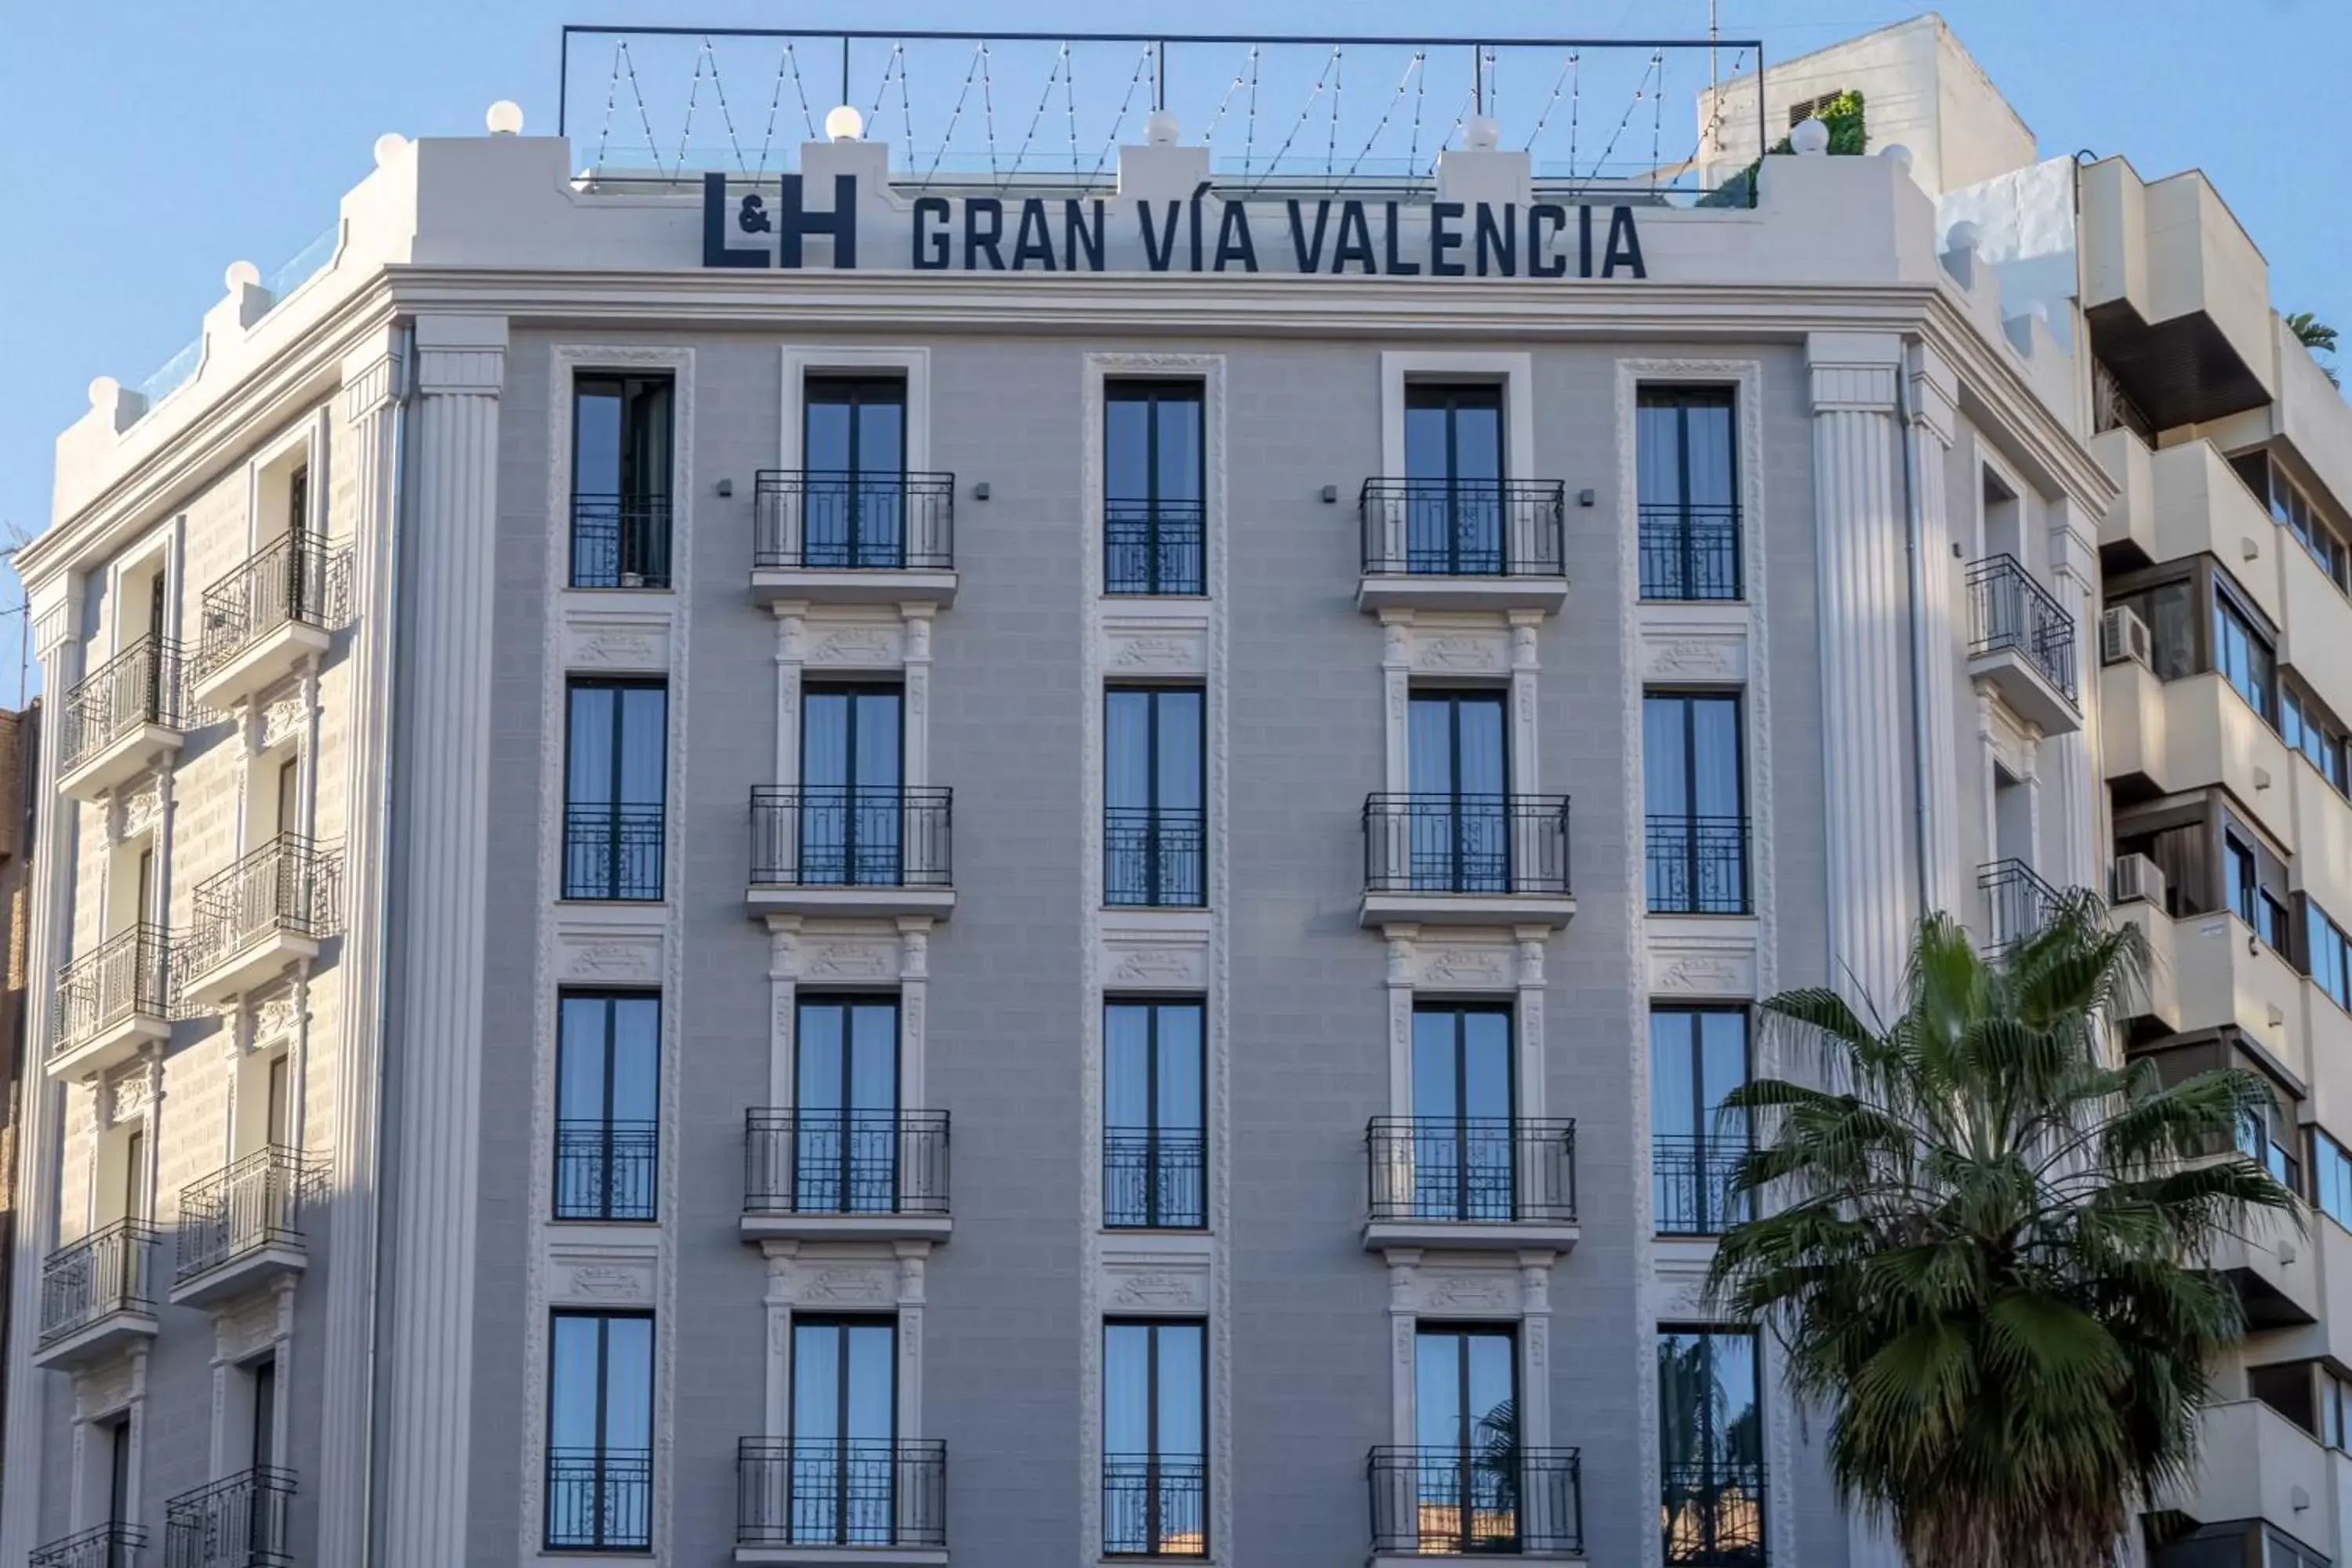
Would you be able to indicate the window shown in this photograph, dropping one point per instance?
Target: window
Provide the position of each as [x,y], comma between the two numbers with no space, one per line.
[600,1408]
[1155,1483]
[2294,510]
[2242,655]
[845,1428]
[620,481]
[1466,1408]
[1152,482]
[2334,1410]
[608,1106]
[1154,837]
[1461,1144]
[2331,1178]
[614,784]
[1694,792]
[2268,1137]
[1154,1145]
[847,1133]
[1687,493]
[1711,1443]
[2327,954]
[137,1203]
[1459,773]
[853,445]
[2169,610]
[1454,472]
[2305,725]
[1697,1055]
[852,797]
[2252,898]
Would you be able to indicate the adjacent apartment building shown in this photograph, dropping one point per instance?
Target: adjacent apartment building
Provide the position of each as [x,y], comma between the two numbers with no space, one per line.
[851,865]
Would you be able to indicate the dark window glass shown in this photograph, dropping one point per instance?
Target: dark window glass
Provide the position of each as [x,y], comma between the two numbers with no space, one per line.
[1155,1439]
[1152,478]
[1688,493]
[2332,1178]
[600,1432]
[614,784]
[845,1427]
[608,1106]
[1154,1136]
[2327,954]
[1697,1055]
[1711,1446]
[2268,1137]
[1694,793]
[1452,460]
[621,453]
[1458,770]
[1462,1155]
[851,796]
[846,1105]
[853,445]
[2243,657]
[1466,1408]
[1154,839]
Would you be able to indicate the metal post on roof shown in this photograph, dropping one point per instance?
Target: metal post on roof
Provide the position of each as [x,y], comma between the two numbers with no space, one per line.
[1160,76]
[844,68]
[1478,76]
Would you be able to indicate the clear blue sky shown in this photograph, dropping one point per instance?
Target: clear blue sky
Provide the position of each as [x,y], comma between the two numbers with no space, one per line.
[154,141]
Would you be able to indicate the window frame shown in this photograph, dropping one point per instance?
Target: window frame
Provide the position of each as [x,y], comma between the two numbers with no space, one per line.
[1152,392]
[1151,692]
[1153,1455]
[604,1319]
[616,805]
[1688,698]
[1681,396]
[610,997]
[1154,1128]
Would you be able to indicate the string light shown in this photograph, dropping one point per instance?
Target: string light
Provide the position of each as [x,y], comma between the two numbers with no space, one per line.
[1043,99]
[1639,92]
[725,115]
[956,114]
[1304,110]
[1111,140]
[653,149]
[791,61]
[1552,103]
[1411,71]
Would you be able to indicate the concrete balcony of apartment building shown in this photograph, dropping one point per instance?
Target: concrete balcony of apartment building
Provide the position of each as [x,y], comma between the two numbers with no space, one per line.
[262,620]
[112,1002]
[1471,1183]
[97,1296]
[2211,971]
[1460,1502]
[2322,834]
[826,1500]
[2327,1030]
[2165,737]
[122,718]
[2021,644]
[2255,1463]
[1462,544]
[861,850]
[2177,297]
[2175,502]
[240,1228]
[1466,859]
[2275,1270]
[834,537]
[2328,1336]
[260,917]
[833,1176]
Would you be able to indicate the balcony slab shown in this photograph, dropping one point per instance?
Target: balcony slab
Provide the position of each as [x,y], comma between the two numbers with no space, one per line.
[868,1556]
[1386,908]
[1402,591]
[1446,1235]
[2031,694]
[96,1341]
[761,900]
[254,964]
[847,1227]
[109,1047]
[120,760]
[260,664]
[247,1272]
[782,584]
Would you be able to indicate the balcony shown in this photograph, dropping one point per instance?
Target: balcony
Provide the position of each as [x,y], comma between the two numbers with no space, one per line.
[816,1500]
[1154,858]
[1711,1514]
[2022,644]
[613,852]
[261,621]
[240,1228]
[97,1296]
[2167,737]
[2186,501]
[1698,865]
[1690,554]
[103,1546]
[2018,903]
[1462,544]
[2211,971]
[1153,1179]
[2274,1273]
[1153,547]
[1480,1183]
[1466,859]
[260,917]
[600,1500]
[878,850]
[1155,1505]
[112,1002]
[120,718]
[1462,1502]
[2176,296]
[833,537]
[2254,1463]
[1690,1183]
[2329,1335]
[605,1169]
[830,1175]
[620,542]
[240,1521]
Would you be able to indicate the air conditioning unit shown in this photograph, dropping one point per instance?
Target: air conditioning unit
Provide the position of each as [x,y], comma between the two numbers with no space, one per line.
[2123,634]
[2138,877]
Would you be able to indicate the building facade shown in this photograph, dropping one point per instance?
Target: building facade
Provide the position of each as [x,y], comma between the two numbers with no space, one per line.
[842,867]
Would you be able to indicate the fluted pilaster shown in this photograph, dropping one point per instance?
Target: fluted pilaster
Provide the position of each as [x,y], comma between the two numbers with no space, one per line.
[2082,859]
[1934,419]
[439,824]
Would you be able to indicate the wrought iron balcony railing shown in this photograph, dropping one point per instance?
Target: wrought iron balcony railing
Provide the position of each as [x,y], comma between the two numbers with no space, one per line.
[836,1492]
[103,1546]
[836,520]
[1464,527]
[850,836]
[297,578]
[1501,1498]
[2007,609]
[1698,865]
[1153,547]
[614,851]
[1152,1178]
[600,1500]
[1466,844]
[254,1203]
[1155,1505]
[605,1168]
[845,1162]
[1154,857]
[128,976]
[110,1270]
[237,1523]
[1690,1176]
[1712,1513]
[140,685]
[620,542]
[2017,903]
[1690,553]
[290,884]
[1471,1169]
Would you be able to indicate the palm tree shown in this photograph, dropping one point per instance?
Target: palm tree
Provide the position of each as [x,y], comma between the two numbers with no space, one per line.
[1987,1263]
[2316,335]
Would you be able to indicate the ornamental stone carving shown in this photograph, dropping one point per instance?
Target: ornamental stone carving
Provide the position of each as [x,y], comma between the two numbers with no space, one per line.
[1159,1288]
[608,1282]
[855,644]
[635,649]
[852,1285]
[1468,1292]
[1693,657]
[848,961]
[1461,650]
[1156,652]
[1464,966]
[1704,973]
[612,959]
[1157,966]
[143,809]
[283,720]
